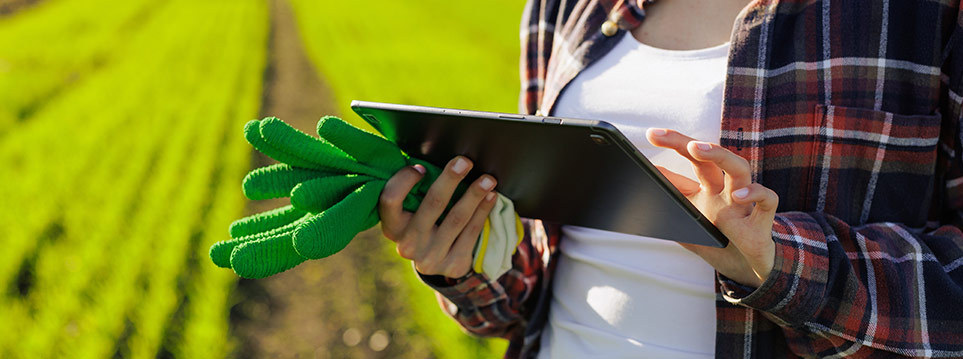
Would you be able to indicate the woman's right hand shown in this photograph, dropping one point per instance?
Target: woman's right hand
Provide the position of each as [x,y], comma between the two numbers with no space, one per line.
[444,249]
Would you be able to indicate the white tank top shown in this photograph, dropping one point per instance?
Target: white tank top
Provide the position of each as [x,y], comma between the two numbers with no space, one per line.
[620,295]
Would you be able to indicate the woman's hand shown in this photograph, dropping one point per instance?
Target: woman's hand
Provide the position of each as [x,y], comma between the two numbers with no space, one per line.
[742,210]
[444,249]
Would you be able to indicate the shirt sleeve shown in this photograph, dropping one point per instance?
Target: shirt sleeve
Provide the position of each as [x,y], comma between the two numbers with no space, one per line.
[877,287]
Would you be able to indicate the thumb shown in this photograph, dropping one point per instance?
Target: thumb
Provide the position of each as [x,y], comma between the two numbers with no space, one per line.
[684,184]
[766,202]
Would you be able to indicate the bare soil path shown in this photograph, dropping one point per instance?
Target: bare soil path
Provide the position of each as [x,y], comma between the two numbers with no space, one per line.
[9,7]
[337,307]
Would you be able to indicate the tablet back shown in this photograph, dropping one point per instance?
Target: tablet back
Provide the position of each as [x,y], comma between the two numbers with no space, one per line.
[569,171]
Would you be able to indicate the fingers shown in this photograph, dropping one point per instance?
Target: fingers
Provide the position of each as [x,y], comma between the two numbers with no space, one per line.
[462,212]
[459,259]
[393,217]
[766,200]
[708,174]
[438,248]
[736,168]
[438,196]
[445,249]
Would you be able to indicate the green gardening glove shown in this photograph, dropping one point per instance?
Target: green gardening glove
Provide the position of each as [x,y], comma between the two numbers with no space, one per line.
[334,184]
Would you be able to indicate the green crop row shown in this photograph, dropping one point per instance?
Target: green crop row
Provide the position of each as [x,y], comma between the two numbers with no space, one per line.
[116,185]
[432,52]
[60,52]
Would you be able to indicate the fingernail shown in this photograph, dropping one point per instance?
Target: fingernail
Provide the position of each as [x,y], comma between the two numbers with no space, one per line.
[703,146]
[419,168]
[741,193]
[658,132]
[460,166]
[487,183]
[490,196]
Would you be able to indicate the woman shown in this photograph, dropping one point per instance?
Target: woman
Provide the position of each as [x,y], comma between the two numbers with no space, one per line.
[836,176]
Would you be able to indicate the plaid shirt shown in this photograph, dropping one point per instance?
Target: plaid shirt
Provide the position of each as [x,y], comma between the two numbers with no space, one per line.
[850,111]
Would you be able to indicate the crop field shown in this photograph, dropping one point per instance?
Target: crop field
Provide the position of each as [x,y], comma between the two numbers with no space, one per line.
[122,155]
[438,53]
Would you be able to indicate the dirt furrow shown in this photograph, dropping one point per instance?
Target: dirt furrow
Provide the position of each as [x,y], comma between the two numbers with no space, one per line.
[332,307]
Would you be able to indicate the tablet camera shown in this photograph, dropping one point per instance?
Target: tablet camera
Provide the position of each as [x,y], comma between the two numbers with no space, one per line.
[599,140]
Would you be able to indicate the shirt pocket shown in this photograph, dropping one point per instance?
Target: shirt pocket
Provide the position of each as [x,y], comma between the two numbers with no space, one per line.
[873,166]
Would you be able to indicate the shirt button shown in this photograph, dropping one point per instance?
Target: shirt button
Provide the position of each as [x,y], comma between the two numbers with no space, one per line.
[609,28]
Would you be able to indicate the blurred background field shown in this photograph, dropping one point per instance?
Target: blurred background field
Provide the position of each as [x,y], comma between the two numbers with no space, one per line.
[120,139]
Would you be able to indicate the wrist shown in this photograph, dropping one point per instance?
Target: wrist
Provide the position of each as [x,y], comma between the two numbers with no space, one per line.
[764,265]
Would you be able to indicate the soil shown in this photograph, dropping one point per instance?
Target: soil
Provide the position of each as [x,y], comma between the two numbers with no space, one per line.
[8,7]
[327,308]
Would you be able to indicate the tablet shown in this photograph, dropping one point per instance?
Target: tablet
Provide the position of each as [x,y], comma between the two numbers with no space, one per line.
[569,171]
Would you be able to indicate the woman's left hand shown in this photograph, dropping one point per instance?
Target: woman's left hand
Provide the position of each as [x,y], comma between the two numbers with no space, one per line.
[725,194]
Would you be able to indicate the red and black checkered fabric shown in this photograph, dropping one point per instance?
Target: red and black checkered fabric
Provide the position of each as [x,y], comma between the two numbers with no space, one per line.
[850,111]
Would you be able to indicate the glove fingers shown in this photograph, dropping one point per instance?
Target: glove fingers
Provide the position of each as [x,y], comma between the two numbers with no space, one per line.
[321,153]
[330,231]
[252,133]
[221,251]
[276,181]
[319,194]
[265,221]
[265,257]
[364,146]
